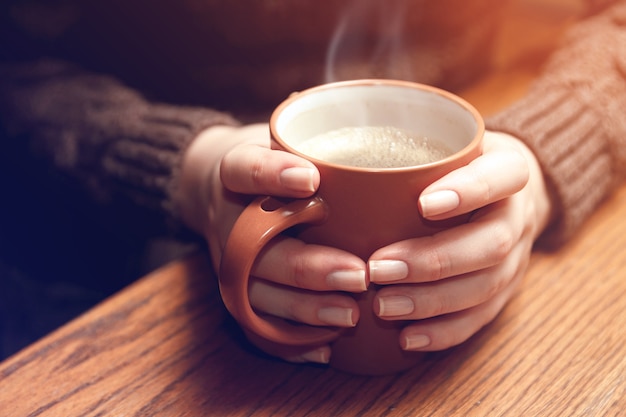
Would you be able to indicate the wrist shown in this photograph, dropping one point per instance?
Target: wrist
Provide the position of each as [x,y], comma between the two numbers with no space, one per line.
[199,174]
[542,198]
[200,186]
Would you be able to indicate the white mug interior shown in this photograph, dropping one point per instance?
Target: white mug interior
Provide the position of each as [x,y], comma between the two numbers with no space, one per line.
[425,111]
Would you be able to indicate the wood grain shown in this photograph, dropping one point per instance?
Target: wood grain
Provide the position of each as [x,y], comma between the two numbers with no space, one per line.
[165,346]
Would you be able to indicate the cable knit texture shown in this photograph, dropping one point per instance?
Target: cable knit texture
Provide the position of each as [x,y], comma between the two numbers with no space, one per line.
[101,131]
[574,120]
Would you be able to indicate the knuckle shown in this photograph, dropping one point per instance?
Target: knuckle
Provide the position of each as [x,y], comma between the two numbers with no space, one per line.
[430,302]
[296,264]
[297,312]
[305,266]
[257,170]
[437,264]
[494,284]
[226,169]
[447,337]
[502,241]
[481,185]
[520,163]
[446,341]
[440,305]
[299,268]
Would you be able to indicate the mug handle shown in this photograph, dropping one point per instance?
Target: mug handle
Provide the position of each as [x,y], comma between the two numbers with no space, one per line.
[262,220]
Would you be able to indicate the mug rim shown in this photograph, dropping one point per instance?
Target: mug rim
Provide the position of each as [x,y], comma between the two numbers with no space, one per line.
[464,104]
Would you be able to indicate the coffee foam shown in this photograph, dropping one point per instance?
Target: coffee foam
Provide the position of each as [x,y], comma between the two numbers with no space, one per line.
[373,147]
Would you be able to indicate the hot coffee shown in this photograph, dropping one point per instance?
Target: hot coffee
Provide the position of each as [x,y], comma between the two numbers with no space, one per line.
[374,147]
[355,209]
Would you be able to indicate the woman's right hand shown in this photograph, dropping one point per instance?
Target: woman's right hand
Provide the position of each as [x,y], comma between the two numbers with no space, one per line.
[223,169]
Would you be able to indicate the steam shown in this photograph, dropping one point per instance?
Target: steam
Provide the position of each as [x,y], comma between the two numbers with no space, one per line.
[369,42]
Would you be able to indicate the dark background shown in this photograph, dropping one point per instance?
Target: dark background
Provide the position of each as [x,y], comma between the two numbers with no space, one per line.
[61,252]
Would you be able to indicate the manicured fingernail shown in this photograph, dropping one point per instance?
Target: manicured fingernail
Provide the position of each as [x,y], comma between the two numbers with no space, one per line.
[354,280]
[387,270]
[416,341]
[298,178]
[439,202]
[336,316]
[321,355]
[396,305]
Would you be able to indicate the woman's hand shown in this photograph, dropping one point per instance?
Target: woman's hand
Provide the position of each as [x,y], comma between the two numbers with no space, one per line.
[451,284]
[221,171]
[457,281]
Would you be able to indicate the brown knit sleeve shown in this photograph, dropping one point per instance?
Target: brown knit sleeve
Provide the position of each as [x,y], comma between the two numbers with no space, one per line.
[97,130]
[573,118]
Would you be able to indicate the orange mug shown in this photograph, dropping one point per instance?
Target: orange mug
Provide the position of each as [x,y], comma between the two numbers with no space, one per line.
[355,209]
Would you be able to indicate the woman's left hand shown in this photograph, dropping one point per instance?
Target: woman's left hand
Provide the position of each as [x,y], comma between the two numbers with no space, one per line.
[457,281]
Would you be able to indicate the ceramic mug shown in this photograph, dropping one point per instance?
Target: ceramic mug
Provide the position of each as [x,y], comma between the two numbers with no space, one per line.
[355,209]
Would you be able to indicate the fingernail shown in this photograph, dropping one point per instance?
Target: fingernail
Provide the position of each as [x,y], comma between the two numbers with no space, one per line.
[336,316]
[416,341]
[320,355]
[439,202]
[298,178]
[387,270]
[397,305]
[348,280]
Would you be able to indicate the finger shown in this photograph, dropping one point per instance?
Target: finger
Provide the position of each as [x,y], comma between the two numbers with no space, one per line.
[309,307]
[480,244]
[256,169]
[296,354]
[318,355]
[294,263]
[443,332]
[500,172]
[421,301]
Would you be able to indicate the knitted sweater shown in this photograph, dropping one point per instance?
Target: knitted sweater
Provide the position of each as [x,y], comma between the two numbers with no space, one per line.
[573,119]
[187,57]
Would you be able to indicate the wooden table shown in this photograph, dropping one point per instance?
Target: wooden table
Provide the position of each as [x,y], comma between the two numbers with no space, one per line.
[166,346]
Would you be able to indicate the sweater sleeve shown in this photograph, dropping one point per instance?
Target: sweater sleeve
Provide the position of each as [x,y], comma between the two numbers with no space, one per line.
[97,130]
[573,118]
